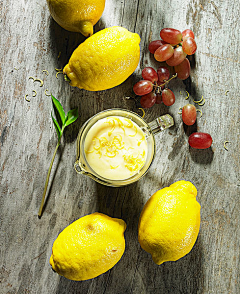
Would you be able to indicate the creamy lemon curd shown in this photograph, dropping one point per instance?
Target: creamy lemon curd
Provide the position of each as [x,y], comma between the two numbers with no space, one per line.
[115,148]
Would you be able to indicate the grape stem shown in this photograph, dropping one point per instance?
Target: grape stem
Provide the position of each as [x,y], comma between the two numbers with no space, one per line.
[158,87]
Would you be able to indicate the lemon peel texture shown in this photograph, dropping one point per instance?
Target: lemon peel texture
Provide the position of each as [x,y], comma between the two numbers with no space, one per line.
[77,15]
[88,247]
[170,221]
[104,60]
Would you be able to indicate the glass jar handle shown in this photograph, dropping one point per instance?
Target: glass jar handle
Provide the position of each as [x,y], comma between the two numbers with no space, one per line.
[161,123]
[78,168]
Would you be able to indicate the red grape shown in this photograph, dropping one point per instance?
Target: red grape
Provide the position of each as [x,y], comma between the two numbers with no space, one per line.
[168,98]
[164,52]
[143,87]
[148,100]
[187,33]
[183,69]
[189,46]
[148,73]
[171,36]
[189,114]
[200,140]
[152,47]
[163,74]
[158,98]
[178,56]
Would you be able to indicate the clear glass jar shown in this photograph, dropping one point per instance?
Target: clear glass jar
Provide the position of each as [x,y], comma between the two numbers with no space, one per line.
[149,129]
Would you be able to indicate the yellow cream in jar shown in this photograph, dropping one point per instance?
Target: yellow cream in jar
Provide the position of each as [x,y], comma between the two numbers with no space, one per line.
[115,148]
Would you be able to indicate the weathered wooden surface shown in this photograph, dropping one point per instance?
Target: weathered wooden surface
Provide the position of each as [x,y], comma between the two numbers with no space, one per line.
[31,42]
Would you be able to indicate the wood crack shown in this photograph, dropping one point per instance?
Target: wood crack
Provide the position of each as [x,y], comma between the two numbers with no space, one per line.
[135,24]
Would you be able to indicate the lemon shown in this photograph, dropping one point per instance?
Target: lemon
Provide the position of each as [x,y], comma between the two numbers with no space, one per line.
[170,221]
[88,247]
[104,60]
[77,15]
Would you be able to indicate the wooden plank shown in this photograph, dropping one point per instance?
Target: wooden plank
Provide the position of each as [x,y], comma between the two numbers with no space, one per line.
[30,43]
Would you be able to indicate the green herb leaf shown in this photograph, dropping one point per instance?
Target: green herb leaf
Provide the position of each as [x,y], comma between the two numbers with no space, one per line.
[58,129]
[71,117]
[59,109]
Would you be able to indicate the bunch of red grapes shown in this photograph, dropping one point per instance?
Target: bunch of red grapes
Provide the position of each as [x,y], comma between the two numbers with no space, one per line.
[152,87]
[172,48]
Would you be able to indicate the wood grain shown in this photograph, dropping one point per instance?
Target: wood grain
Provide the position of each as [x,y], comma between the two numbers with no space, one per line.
[30,43]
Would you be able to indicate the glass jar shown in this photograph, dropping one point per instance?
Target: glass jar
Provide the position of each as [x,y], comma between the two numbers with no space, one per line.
[149,130]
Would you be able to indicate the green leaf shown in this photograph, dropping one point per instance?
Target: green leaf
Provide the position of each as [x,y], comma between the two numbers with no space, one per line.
[58,129]
[59,109]
[71,117]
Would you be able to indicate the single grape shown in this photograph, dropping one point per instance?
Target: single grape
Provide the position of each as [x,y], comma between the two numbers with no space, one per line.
[187,33]
[200,140]
[178,56]
[152,47]
[148,73]
[148,100]
[183,69]
[168,98]
[158,98]
[189,46]
[171,36]
[143,87]
[163,74]
[189,114]
[164,52]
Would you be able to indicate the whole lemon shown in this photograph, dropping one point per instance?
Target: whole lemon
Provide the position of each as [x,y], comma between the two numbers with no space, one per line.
[88,247]
[77,15]
[104,60]
[170,221]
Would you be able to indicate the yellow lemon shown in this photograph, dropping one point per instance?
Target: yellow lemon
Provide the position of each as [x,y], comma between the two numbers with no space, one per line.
[104,60]
[170,221]
[88,247]
[77,15]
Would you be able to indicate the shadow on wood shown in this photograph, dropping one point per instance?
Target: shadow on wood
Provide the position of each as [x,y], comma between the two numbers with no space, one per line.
[201,156]
[141,274]
[63,42]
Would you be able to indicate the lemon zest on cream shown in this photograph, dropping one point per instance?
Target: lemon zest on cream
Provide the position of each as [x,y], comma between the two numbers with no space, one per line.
[114,167]
[130,124]
[135,128]
[108,147]
[134,163]
[141,140]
